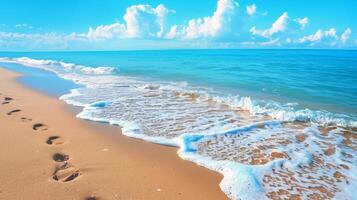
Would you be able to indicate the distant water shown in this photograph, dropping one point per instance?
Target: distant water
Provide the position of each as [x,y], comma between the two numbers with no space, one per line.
[273,122]
[317,79]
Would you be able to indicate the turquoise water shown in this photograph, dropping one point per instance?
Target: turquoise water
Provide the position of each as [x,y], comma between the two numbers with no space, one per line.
[254,116]
[41,80]
[315,79]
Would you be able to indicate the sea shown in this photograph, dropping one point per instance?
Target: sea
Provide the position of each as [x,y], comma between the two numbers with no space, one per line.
[276,123]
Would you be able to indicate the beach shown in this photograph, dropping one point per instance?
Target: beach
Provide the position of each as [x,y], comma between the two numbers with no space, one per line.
[218,99]
[107,126]
[48,153]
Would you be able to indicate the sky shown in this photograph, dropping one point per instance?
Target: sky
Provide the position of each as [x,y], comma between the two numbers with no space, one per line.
[42,25]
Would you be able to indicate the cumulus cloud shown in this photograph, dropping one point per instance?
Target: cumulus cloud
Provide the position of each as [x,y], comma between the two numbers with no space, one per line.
[175,31]
[313,37]
[284,31]
[140,21]
[320,37]
[278,26]
[213,26]
[251,9]
[346,35]
[328,37]
[317,36]
[144,20]
[106,31]
[302,21]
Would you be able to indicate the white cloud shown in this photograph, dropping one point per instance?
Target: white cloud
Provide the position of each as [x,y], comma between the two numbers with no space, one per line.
[140,21]
[52,40]
[278,26]
[313,37]
[226,27]
[251,9]
[143,20]
[346,35]
[302,21]
[106,31]
[19,36]
[328,37]
[174,32]
[24,26]
[208,27]
[319,35]
[274,42]
[283,31]
[331,33]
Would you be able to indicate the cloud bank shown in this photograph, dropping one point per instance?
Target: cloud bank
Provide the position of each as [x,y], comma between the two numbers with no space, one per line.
[230,25]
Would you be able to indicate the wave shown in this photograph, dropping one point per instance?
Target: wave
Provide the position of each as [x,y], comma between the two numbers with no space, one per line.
[53,66]
[255,107]
[248,141]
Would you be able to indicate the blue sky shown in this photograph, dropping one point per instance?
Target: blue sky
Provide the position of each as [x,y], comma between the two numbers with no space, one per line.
[169,24]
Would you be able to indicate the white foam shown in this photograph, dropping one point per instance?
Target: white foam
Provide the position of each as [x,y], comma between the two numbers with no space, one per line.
[59,66]
[97,70]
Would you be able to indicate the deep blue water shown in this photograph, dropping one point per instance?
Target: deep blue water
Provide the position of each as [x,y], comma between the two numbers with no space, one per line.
[315,79]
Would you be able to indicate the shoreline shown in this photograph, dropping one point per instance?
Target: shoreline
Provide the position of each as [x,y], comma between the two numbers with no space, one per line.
[104,163]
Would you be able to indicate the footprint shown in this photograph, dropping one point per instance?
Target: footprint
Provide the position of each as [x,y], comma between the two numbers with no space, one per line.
[7,100]
[59,157]
[13,111]
[25,119]
[39,126]
[91,198]
[65,173]
[54,140]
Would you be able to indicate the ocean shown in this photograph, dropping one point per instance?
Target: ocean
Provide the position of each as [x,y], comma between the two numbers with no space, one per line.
[273,122]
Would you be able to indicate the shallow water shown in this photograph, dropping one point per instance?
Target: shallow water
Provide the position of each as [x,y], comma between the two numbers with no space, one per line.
[295,137]
[42,81]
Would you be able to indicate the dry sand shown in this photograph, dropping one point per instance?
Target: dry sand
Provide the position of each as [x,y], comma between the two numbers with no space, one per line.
[85,159]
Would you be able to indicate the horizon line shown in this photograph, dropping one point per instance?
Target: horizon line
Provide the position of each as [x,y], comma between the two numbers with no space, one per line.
[181,49]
